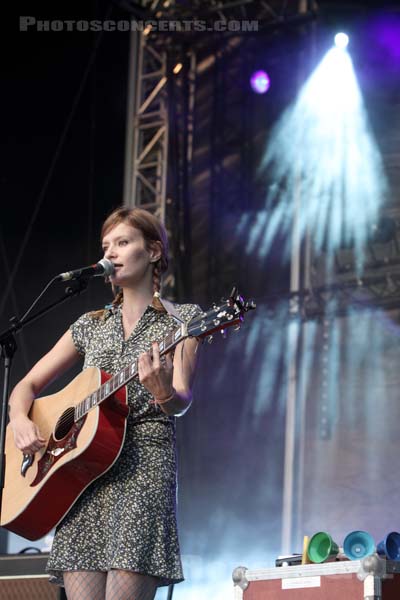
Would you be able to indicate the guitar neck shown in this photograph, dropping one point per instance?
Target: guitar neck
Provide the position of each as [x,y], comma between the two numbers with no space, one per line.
[126,375]
[218,318]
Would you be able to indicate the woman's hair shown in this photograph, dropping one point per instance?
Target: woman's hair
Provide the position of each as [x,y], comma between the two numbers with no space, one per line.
[154,234]
[152,229]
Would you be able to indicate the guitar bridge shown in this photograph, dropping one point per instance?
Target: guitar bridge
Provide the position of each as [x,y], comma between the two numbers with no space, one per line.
[27,461]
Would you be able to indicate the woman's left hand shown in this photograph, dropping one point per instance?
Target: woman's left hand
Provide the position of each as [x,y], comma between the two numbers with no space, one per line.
[156,375]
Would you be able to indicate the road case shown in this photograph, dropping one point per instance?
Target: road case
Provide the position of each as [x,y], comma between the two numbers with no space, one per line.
[372,578]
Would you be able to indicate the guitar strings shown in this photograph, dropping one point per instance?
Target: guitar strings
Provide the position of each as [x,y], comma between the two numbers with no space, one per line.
[69,414]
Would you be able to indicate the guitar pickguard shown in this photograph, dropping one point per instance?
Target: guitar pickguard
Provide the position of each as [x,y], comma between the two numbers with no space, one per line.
[56,449]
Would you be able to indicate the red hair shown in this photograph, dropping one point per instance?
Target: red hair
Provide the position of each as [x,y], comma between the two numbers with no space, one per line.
[151,227]
[154,234]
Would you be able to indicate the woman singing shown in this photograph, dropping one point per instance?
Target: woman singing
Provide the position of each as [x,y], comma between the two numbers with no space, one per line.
[119,540]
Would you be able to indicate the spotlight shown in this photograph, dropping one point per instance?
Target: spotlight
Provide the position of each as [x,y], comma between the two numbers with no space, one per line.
[177,68]
[260,82]
[341,40]
[147,29]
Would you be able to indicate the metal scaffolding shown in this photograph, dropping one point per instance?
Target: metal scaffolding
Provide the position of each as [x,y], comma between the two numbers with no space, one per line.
[159,142]
[161,102]
[147,127]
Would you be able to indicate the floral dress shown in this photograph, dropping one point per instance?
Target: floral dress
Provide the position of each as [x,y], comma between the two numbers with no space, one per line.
[126,519]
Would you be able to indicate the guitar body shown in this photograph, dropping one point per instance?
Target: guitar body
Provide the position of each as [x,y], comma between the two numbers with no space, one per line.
[75,454]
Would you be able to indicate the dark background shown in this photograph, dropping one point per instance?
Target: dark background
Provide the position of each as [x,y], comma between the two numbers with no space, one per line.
[64,105]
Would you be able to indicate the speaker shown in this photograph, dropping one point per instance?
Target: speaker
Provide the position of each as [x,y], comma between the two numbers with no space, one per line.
[358,544]
[24,576]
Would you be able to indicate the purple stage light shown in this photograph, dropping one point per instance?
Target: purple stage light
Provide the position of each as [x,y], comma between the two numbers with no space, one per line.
[386,32]
[260,82]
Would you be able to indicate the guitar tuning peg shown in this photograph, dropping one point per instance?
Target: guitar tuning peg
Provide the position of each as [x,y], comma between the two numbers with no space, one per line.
[237,328]
[209,339]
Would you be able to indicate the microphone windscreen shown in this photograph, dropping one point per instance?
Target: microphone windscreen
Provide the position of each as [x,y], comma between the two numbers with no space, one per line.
[107,266]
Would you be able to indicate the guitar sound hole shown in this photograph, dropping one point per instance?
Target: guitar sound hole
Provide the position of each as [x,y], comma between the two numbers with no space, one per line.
[64,424]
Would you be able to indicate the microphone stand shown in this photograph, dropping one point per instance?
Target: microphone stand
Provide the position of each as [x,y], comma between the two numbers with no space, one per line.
[8,347]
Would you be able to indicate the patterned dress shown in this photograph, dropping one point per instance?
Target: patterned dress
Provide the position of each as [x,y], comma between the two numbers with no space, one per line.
[126,519]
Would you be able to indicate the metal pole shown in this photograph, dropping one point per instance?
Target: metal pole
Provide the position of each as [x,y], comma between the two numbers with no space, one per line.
[306,282]
[293,391]
[290,426]
[130,114]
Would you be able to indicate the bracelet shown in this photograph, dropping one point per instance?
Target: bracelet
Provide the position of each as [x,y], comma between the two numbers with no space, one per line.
[165,400]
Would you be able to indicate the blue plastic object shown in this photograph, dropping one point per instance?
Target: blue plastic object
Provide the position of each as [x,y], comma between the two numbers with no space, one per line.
[358,544]
[390,546]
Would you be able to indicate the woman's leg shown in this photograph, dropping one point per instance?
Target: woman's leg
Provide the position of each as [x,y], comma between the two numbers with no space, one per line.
[127,585]
[85,585]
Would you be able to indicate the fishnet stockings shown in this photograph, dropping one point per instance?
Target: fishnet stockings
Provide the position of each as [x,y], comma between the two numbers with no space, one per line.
[85,585]
[126,585]
[114,585]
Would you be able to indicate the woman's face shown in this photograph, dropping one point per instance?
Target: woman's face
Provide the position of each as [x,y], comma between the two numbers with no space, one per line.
[125,247]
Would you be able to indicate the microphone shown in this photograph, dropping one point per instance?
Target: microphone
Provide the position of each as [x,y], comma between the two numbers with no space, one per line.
[103,267]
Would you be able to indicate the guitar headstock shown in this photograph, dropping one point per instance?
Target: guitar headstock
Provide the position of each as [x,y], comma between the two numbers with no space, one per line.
[227,313]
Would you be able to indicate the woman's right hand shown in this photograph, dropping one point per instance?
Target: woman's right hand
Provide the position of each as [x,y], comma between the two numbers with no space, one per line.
[27,437]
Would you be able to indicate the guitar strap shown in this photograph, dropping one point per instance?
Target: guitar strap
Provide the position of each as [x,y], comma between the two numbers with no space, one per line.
[167,306]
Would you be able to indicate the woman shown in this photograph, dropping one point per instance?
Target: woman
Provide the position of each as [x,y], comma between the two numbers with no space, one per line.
[120,540]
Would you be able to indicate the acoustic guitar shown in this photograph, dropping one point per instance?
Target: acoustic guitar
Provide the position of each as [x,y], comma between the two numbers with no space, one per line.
[84,427]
